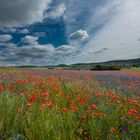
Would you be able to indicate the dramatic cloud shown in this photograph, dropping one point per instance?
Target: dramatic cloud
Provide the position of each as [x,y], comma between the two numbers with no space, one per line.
[79,35]
[35,54]
[30,39]
[22,12]
[119,36]
[94,31]
[5,38]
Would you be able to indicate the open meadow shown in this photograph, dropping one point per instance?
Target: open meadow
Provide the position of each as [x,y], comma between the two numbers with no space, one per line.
[41,104]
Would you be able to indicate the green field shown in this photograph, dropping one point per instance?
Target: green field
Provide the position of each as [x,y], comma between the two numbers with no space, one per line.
[39,104]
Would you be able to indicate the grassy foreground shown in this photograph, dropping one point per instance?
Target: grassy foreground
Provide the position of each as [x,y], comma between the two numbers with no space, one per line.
[36,106]
[133,69]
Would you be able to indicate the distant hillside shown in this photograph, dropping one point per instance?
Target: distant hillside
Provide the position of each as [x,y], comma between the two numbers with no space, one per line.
[110,65]
[127,62]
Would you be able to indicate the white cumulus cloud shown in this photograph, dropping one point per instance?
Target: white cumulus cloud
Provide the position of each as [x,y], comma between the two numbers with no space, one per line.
[24,31]
[79,35]
[5,38]
[30,39]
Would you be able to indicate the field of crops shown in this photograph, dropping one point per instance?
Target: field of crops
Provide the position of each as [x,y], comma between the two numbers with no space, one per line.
[41,104]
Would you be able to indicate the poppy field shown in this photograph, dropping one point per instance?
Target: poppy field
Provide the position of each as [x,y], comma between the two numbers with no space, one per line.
[41,104]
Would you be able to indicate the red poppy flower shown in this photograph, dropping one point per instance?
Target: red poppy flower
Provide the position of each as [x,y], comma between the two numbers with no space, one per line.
[29,105]
[64,109]
[133,112]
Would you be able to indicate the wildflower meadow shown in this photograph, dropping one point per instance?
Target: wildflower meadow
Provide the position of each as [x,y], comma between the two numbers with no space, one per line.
[41,104]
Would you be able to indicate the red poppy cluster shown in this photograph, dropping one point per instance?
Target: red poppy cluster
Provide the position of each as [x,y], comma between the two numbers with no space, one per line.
[75,92]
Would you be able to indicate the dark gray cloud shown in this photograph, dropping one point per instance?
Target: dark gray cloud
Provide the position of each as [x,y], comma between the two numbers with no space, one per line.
[22,12]
[35,54]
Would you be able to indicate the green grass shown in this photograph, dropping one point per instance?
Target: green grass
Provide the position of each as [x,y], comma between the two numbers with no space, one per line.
[78,110]
[133,69]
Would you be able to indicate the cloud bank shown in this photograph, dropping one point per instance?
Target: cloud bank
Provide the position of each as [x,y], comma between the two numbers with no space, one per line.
[22,12]
[95,31]
[35,54]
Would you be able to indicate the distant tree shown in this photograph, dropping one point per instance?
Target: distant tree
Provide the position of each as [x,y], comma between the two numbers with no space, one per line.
[135,65]
[62,65]
[105,67]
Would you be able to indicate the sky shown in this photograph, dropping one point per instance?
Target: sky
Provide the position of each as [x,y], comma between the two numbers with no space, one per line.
[52,32]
